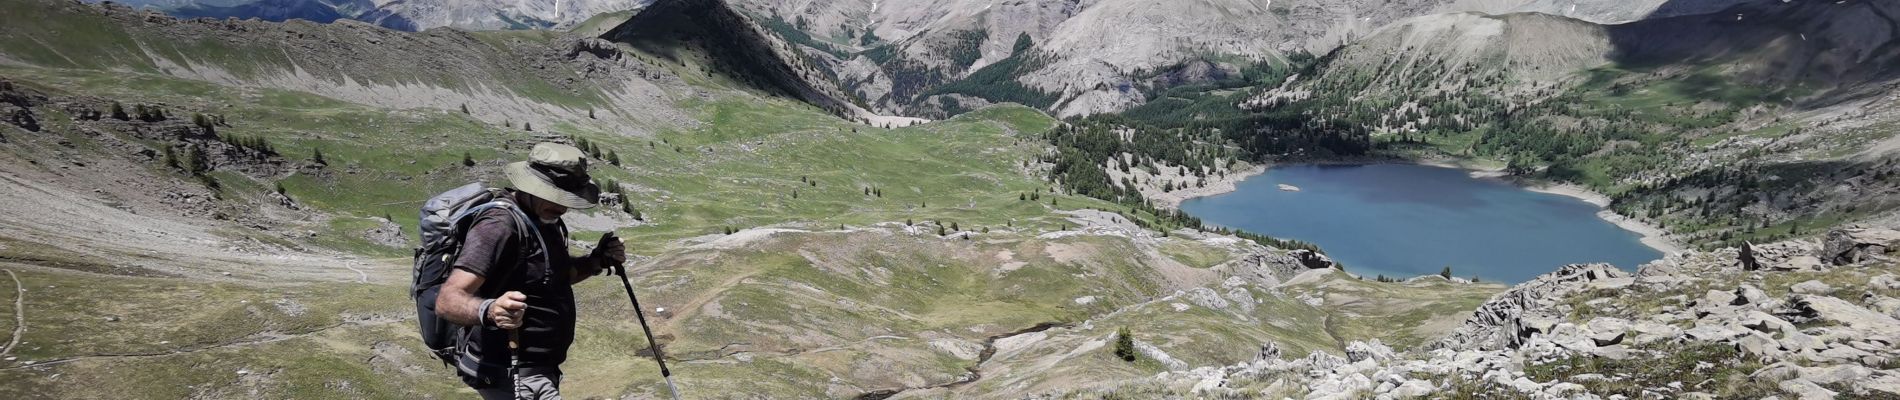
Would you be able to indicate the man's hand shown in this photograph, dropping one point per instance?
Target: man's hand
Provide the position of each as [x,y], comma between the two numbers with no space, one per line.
[610,252]
[508,309]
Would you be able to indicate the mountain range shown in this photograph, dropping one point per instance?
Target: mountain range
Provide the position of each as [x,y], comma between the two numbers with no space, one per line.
[408,15]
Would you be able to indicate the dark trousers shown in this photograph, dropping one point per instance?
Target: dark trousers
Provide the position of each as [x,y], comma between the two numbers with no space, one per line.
[529,385]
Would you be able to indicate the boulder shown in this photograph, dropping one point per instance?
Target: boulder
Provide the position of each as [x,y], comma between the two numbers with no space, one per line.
[1837,374]
[1885,281]
[1812,287]
[1716,298]
[1312,259]
[1710,332]
[1768,324]
[1747,257]
[1612,283]
[1805,390]
[1797,341]
[1887,385]
[1824,308]
[1854,244]
[1268,352]
[1748,294]
[1605,331]
[1373,350]
[1649,331]
[1758,345]
[1776,372]
[1319,360]
[1413,389]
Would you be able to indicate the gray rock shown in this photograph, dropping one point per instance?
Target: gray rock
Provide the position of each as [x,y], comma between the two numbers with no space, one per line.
[1805,390]
[1612,283]
[1605,331]
[1613,352]
[1765,323]
[1747,257]
[1716,298]
[1841,312]
[1320,360]
[1812,287]
[1797,341]
[1777,372]
[1413,389]
[1887,384]
[1855,244]
[1373,350]
[1885,281]
[1710,332]
[1268,352]
[1758,345]
[1749,294]
[1834,374]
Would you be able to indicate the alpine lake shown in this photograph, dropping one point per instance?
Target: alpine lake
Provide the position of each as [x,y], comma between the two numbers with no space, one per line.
[1407,220]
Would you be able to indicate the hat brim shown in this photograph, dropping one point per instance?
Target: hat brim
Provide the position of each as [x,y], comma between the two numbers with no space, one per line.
[526,180]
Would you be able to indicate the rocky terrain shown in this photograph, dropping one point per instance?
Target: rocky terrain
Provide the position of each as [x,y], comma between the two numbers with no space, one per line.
[1766,321]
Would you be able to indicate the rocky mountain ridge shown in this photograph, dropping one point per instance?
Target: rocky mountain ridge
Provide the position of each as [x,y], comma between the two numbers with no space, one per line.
[407,15]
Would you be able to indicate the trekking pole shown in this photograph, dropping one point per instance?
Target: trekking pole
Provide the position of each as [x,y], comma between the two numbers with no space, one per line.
[652,345]
[514,359]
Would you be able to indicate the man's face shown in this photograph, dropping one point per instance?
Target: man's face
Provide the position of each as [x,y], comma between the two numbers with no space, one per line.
[546,211]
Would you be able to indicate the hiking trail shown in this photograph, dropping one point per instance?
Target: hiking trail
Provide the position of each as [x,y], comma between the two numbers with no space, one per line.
[19,313]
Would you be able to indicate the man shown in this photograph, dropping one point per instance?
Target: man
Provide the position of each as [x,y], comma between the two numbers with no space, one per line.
[533,279]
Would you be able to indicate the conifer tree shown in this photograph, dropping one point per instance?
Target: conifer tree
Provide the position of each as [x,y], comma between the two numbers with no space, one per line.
[1124,345]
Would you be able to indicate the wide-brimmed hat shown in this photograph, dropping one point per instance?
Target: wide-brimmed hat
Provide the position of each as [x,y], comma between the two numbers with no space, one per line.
[558,173]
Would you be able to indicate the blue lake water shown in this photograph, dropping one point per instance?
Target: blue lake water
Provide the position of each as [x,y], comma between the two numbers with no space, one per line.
[1408,220]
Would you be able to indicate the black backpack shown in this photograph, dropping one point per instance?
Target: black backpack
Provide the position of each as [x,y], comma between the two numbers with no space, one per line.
[443,225]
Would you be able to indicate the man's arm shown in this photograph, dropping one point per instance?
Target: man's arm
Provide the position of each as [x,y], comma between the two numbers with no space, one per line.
[458,303]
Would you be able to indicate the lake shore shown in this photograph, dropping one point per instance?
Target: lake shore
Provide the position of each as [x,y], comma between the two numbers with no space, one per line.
[1216,185]
[1653,236]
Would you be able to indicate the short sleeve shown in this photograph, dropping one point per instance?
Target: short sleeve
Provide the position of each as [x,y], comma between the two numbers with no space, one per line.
[488,244]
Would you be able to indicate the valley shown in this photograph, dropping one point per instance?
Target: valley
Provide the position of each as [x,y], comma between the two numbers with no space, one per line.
[970,199]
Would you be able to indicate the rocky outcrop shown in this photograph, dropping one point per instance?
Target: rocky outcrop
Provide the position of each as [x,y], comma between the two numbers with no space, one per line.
[1526,309]
[1834,335]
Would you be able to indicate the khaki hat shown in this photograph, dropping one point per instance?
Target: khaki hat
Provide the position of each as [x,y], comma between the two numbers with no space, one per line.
[558,173]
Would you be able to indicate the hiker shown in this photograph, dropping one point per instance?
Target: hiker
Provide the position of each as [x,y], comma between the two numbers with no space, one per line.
[533,279]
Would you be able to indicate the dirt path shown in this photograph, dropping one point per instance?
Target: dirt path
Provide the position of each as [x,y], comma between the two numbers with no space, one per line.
[691,306]
[19,313]
[975,370]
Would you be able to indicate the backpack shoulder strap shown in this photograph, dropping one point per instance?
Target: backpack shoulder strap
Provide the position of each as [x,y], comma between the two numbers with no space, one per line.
[525,229]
